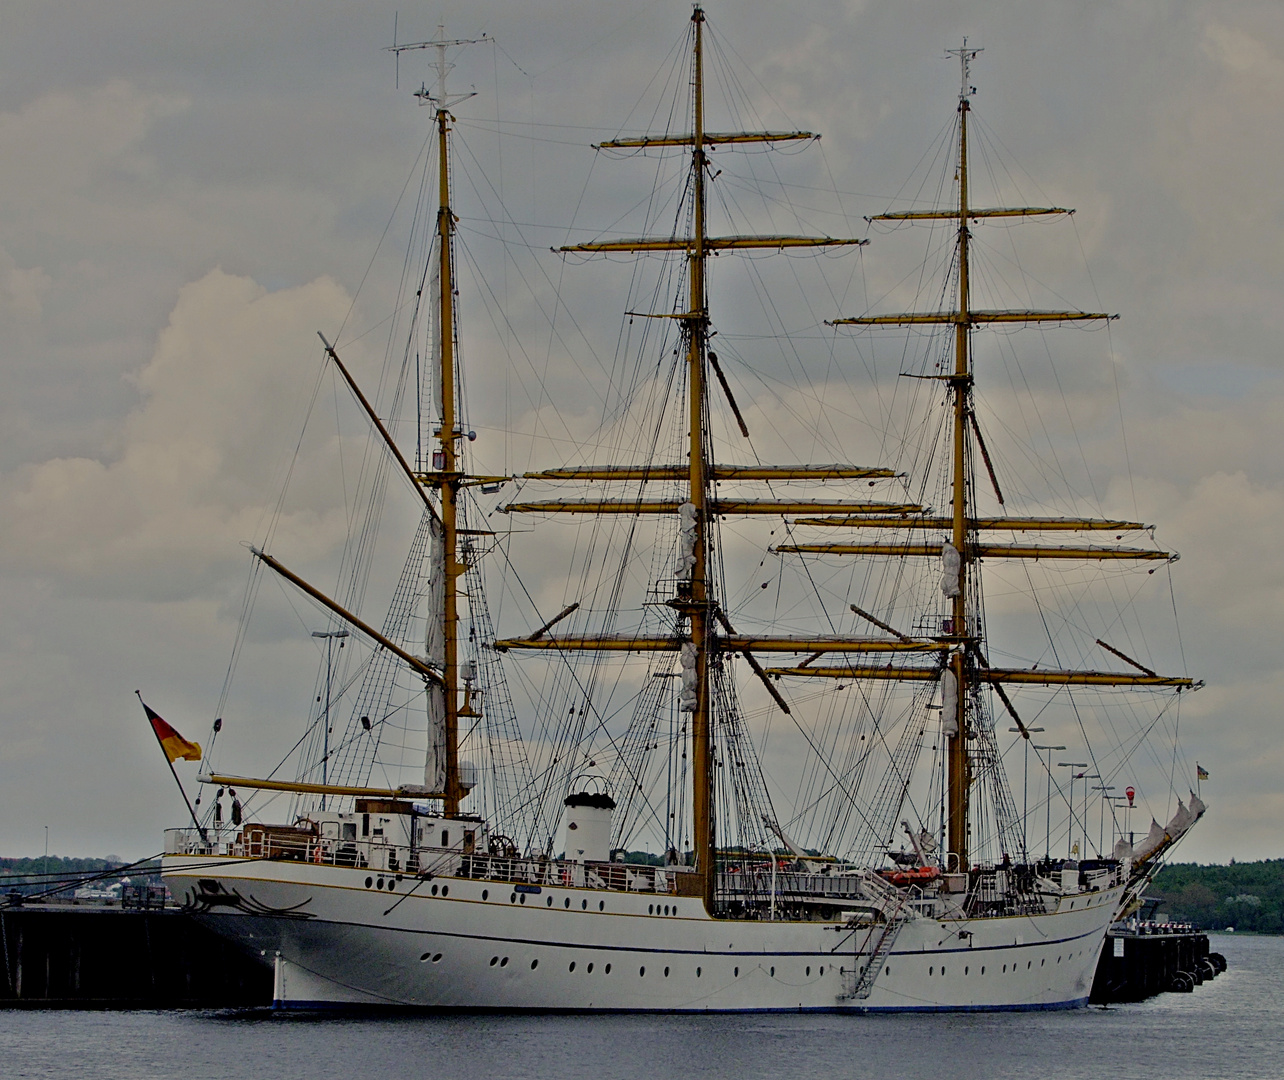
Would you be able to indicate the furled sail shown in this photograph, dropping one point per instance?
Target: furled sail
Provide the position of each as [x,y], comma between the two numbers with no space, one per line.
[949,702]
[435,645]
[949,570]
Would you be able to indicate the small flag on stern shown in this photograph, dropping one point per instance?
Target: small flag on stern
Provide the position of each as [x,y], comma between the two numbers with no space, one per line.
[174,745]
[1200,772]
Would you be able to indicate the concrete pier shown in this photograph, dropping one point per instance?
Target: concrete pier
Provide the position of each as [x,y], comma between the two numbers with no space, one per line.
[1151,959]
[85,957]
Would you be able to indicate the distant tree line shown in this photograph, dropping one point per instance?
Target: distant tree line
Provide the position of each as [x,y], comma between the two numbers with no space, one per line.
[39,875]
[1246,896]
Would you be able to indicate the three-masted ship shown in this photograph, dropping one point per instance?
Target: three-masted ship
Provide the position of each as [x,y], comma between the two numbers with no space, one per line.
[409,896]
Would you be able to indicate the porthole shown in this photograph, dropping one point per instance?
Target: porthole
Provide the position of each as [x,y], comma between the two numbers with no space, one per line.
[982,969]
[485,894]
[666,909]
[391,885]
[436,958]
[1041,963]
[425,958]
[1005,969]
[773,971]
[445,890]
[522,899]
[549,901]
[572,967]
[606,970]
[641,972]
[589,969]
[931,971]
[494,960]
[534,964]
[434,890]
[666,973]
[697,973]
[369,882]
[512,899]
[1058,959]
[822,969]
[942,969]
[584,905]
[379,884]
[735,972]
[1028,963]
[650,909]
[809,972]
[503,962]
[965,969]
[886,971]
[601,905]
[568,901]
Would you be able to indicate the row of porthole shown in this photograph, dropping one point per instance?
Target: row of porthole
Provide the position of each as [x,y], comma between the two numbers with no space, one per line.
[1028,964]
[502,961]
[520,898]
[391,884]
[515,897]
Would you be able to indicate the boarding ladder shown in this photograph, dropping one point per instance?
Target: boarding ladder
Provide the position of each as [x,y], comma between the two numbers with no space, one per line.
[858,982]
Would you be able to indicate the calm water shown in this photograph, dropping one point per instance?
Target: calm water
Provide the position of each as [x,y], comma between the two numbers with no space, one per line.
[1231,1027]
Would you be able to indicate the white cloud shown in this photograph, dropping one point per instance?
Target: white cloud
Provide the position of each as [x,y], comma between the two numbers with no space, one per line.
[195,472]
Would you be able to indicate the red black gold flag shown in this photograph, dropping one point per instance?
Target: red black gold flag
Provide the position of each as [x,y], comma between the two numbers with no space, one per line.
[174,745]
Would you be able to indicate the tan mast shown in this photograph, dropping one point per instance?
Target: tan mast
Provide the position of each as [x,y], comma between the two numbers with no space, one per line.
[694,599]
[958,772]
[967,662]
[697,332]
[446,476]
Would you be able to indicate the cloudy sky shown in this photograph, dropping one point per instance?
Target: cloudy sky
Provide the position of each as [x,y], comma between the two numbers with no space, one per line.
[189,191]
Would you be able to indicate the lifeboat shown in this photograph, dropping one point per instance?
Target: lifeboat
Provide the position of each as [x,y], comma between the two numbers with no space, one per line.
[918,875]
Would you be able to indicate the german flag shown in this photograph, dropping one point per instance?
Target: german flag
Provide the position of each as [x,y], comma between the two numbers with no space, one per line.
[174,745]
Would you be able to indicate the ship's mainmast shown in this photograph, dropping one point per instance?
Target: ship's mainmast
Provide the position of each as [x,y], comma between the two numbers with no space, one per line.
[698,483]
[695,601]
[959,778]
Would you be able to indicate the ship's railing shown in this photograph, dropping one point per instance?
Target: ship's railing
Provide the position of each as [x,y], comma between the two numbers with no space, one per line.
[790,885]
[298,844]
[613,876]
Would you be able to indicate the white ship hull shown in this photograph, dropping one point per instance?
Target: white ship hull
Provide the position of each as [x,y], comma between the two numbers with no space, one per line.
[476,944]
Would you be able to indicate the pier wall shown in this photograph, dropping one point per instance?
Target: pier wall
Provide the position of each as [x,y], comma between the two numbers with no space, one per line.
[54,956]
[1135,966]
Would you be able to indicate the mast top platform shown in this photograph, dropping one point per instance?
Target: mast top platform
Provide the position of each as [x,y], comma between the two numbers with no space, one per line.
[966,55]
[439,97]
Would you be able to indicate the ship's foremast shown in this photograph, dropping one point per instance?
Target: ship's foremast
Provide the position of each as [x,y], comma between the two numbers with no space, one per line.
[450,695]
[446,478]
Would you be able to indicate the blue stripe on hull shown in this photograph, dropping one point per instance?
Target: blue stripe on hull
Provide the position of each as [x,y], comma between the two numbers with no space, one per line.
[333,1007]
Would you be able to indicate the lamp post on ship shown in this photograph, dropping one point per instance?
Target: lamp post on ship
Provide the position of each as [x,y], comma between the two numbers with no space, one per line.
[1025,783]
[1070,799]
[328,636]
[1085,777]
[1047,825]
[1105,790]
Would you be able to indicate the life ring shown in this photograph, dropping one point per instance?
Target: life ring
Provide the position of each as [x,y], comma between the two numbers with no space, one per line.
[316,852]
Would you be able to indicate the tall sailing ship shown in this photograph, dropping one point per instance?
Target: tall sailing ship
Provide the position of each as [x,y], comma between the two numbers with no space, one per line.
[506,881]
